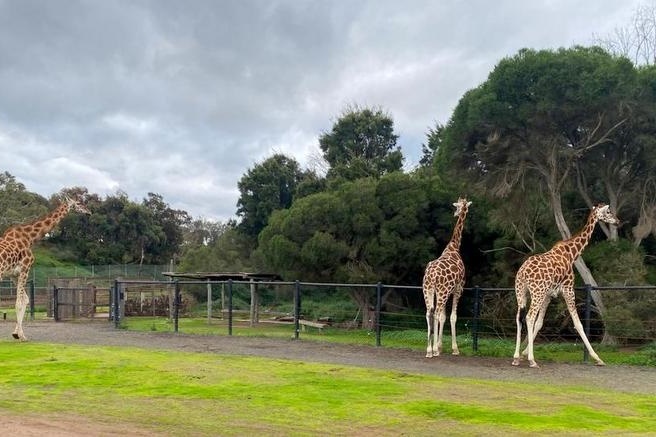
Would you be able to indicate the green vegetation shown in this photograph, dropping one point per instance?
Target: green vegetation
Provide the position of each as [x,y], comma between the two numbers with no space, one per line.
[410,339]
[206,394]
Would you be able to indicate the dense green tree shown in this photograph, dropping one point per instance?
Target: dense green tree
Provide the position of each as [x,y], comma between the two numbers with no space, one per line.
[362,231]
[71,237]
[268,186]
[224,249]
[122,231]
[435,137]
[362,143]
[17,205]
[201,232]
[538,116]
[171,222]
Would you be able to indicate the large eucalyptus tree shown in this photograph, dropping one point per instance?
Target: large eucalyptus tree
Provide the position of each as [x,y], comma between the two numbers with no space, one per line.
[539,123]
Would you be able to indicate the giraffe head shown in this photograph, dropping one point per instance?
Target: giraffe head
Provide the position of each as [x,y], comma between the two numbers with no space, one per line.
[602,213]
[461,206]
[76,205]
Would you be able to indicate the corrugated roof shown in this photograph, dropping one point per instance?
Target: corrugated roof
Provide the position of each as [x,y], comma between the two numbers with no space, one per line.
[224,276]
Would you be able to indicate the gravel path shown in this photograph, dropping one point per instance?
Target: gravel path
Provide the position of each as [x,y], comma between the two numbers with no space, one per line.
[631,379]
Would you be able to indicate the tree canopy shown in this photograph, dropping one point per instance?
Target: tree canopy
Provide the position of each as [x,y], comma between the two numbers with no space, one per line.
[362,143]
[268,186]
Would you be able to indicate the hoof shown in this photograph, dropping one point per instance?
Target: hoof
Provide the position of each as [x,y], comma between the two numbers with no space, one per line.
[600,363]
[455,353]
[534,365]
[515,362]
[15,335]
[429,355]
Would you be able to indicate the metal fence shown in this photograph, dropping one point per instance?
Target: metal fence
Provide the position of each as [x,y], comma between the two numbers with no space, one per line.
[43,280]
[375,310]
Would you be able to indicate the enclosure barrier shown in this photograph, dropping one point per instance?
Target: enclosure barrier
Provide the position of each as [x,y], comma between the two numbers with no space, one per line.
[393,310]
[474,300]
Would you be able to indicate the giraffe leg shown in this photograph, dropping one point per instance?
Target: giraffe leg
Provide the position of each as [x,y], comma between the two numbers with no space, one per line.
[430,322]
[22,300]
[532,316]
[530,335]
[568,294]
[538,323]
[440,316]
[518,341]
[520,294]
[453,319]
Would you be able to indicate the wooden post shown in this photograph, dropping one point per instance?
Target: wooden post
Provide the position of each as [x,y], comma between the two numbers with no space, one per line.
[254,304]
[223,304]
[209,302]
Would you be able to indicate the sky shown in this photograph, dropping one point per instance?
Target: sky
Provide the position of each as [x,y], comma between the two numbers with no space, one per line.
[182,98]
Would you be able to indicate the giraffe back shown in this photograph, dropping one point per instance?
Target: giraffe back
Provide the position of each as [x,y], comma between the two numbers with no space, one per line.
[447,270]
[11,255]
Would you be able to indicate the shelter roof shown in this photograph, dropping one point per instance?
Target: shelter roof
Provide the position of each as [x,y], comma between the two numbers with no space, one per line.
[224,276]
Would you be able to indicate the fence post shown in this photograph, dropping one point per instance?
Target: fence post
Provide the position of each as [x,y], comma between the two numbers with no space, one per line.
[229,306]
[55,303]
[32,300]
[586,324]
[117,300]
[379,289]
[477,312]
[209,302]
[176,306]
[297,308]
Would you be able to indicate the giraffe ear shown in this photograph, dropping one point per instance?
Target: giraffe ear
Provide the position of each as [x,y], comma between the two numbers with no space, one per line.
[468,203]
[455,204]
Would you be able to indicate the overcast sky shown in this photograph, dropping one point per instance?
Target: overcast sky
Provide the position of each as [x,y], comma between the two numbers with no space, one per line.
[181,98]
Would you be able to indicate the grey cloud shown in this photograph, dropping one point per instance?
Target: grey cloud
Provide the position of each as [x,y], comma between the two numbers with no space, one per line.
[181,98]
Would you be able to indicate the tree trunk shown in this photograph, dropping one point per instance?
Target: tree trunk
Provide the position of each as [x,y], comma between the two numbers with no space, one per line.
[361,297]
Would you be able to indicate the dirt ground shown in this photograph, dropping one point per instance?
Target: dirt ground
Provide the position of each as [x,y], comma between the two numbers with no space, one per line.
[631,379]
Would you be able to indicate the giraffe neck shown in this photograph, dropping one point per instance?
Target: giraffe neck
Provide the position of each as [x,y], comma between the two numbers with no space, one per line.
[573,247]
[454,243]
[35,230]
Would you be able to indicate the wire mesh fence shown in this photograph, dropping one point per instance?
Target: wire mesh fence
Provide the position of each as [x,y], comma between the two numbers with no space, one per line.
[374,314]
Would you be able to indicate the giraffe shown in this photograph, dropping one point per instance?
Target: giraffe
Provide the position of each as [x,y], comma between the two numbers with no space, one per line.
[445,276]
[16,256]
[543,276]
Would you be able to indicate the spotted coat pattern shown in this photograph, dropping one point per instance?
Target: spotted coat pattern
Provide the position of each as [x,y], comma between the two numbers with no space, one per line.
[543,276]
[445,277]
[16,256]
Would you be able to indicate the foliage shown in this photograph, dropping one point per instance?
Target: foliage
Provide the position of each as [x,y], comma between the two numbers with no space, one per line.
[538,114]
[617,262]
[17,204]
[121,231]
[362,143]
[557,129]
[362,231]
[159,305]
[267,187]
[226,250]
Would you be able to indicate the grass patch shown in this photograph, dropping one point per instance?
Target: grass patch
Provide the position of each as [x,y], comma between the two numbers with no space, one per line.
[207,394]
[413,339]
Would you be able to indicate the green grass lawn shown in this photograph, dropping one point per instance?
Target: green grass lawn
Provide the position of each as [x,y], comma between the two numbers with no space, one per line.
[202,394]
[644,355]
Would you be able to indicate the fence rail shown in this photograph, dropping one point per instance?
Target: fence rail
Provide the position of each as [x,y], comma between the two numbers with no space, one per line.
[379,310]
[382,308]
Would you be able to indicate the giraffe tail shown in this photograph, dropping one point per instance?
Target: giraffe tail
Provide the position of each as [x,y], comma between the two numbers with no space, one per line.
[521,292]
